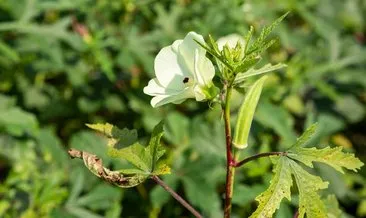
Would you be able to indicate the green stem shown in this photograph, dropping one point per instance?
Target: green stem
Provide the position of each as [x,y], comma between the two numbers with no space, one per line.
[230,168]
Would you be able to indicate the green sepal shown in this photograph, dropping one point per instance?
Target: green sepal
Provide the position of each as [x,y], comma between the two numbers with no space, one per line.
[226,52]
[248,38]
[216,55]
[210,91]
[213,44]
[247,64]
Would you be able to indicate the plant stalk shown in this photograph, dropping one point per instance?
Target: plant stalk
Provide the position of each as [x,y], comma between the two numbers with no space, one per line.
[230,168]
[177,196]
[266,154]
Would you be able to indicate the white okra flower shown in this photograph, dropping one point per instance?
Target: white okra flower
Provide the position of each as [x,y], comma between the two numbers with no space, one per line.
[182,71]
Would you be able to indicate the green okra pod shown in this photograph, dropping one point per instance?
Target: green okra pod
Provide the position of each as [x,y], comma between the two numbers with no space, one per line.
[246,114]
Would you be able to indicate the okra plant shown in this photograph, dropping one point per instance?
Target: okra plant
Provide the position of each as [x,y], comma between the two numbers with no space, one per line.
[187,69]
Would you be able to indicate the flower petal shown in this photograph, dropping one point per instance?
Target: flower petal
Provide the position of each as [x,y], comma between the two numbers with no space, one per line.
[155,88]
[167,70]
[204,71]
[187,50]
[160,100]
[198,93]
[176,44]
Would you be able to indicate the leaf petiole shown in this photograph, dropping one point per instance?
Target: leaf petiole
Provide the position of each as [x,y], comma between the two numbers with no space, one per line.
[257,156]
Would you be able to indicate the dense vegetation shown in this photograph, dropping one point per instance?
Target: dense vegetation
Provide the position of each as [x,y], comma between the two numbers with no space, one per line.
[66,63]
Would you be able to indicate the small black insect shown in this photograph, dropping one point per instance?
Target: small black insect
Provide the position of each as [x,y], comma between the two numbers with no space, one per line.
[185,80]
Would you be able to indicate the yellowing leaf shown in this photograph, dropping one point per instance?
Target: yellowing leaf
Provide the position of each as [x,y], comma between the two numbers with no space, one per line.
[308,186]
[269,200]
[161,169]
[95,165]
[334,157]
[118,138]
[106,128]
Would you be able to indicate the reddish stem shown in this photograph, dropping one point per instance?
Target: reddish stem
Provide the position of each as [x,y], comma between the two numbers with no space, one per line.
[230,169]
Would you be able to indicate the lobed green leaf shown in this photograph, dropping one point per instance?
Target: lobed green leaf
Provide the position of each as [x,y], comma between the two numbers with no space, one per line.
[310,202]
[308,185]
[270,200]
[334,157]
[309,132]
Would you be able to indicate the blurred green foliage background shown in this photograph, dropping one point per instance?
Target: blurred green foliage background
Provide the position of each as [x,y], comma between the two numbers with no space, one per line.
[64,63]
